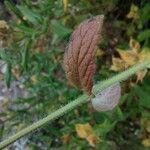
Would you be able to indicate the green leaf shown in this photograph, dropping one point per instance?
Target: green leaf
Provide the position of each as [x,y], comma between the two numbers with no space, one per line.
[120,114]
[25,29]
[11,6]
[25,58]
[8,74]
[104,128]
[59,31]
[25,55]
[143,93]
[30,15]
[144,13]
[144,35]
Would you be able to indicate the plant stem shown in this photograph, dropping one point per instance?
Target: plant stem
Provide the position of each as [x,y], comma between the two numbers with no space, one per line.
[50,117]
[121,76]
[82,99]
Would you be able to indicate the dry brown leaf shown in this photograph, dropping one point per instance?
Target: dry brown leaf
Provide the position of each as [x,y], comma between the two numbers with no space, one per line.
[85,131]
[16,72]
[4,28]
[79,58]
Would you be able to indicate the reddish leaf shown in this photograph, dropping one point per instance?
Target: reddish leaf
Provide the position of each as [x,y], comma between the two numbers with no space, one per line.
[79,58]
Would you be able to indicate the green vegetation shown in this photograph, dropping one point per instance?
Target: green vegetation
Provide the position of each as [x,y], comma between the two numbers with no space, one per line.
[33,38]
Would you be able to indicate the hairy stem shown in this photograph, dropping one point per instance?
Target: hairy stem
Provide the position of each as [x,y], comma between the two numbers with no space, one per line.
[120,77]
[82,99]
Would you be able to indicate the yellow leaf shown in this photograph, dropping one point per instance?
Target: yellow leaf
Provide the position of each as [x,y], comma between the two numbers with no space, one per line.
[144,54]
[140,75]
[86,132]
[129,57]
[65,19]
[93,140]
[83,130]
[34,79]
[99,52]
[118,64]
[133,14]
[3,25]
[134,45]
[65,138]
[146,142]
[65,2]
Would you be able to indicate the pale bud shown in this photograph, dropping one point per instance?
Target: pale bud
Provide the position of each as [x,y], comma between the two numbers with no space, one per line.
[108,99]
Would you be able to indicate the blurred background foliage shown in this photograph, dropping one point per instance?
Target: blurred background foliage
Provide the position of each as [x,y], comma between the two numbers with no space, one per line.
[33,38]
